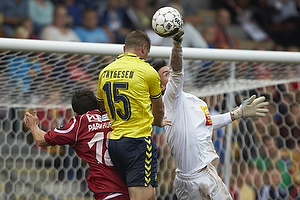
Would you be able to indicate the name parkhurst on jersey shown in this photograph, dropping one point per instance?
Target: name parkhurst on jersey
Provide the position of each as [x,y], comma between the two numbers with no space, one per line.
[97,126]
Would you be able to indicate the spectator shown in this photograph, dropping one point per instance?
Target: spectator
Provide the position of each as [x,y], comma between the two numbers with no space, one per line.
[293,86]
[142,14]
[285,22]
[224,39]
[270,156]
[41,13]
[293,121]
[13,13]
[287,119]
[21,68]
[189,13]
[295,170]
[254,179]
[74,10]
[114,16]
[80,3]
[272,188]
[28,25]
[246,191]
[58,30]
[267,125]
[209,35]
[292,48]
[90,31]
[279,18]
[234,191]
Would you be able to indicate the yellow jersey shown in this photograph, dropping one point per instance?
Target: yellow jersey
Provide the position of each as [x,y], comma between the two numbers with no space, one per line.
[126,86]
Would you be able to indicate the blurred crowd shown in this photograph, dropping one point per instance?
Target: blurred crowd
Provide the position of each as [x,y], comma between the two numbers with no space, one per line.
[279,19]
[109,21]
[265,153]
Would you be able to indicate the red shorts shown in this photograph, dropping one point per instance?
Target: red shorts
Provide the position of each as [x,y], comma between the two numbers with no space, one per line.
[111,195]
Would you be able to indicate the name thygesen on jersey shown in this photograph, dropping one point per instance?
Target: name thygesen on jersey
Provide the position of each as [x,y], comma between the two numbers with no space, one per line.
[117,74]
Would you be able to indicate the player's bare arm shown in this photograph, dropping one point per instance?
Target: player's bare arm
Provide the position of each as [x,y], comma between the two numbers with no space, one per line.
[158,111]
[32,122]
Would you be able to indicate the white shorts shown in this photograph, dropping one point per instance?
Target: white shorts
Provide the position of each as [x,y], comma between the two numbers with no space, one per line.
[205,184]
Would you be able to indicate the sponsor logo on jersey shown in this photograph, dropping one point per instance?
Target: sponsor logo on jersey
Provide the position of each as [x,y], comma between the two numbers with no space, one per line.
[94,118]
[97,118]
[105,118]
[207,116]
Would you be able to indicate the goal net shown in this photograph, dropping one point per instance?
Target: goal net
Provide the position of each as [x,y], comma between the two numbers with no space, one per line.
[43,75]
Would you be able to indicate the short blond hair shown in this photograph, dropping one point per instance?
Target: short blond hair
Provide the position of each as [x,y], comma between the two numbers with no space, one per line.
[137,39]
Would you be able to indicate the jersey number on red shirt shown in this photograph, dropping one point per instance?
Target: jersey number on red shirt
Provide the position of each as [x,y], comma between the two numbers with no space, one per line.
[101,143]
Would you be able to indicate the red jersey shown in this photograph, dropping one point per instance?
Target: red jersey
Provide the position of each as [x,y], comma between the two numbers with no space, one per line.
[88,135]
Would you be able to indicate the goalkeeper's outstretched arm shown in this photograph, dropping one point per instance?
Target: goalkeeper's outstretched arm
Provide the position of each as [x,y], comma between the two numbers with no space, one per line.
[252,107]
[176,58]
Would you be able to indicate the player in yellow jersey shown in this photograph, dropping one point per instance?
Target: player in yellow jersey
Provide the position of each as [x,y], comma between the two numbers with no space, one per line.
[129,87]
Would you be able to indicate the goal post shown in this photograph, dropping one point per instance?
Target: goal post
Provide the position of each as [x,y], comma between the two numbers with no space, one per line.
[155,51]
[42,75]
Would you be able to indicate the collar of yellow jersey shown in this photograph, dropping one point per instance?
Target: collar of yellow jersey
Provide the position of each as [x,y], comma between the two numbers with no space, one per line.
[127,54]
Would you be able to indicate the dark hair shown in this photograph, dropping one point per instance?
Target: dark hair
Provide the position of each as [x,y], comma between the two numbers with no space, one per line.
[136,39]
[159,64]
[84,100]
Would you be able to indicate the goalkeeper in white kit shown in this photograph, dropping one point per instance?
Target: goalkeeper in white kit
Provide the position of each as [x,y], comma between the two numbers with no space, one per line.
[190,136]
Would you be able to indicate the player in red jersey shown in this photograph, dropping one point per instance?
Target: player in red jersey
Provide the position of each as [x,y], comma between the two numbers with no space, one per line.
[87,133]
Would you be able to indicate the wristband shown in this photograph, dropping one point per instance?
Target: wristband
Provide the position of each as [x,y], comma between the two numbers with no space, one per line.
[231,113]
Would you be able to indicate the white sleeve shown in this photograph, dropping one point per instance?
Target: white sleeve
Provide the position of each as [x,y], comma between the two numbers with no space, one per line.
[220,121]
[175,85]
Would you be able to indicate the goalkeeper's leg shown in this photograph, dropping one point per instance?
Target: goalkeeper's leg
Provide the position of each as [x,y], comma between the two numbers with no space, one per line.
[204,184]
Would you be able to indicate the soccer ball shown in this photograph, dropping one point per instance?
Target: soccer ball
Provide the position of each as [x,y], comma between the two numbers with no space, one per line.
[167,21]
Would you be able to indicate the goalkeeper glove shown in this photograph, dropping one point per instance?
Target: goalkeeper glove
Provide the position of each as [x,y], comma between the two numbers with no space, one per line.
[177,38]
[252,107]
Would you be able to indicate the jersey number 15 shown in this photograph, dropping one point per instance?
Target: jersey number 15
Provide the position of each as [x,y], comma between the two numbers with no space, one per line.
[113,97]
